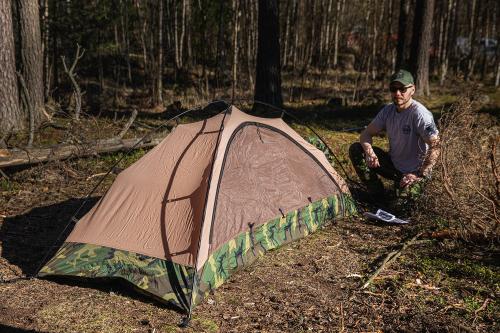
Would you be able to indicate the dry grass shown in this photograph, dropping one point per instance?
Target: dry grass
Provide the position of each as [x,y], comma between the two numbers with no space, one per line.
[465,190]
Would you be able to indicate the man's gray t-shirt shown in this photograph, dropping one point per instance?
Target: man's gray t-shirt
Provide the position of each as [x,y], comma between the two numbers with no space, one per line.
[406,131]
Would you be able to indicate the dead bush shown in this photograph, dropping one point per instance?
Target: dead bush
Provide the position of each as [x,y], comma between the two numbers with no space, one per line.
[464,193]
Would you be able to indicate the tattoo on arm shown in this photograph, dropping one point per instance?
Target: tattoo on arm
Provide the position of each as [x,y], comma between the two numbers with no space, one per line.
[432,155]
[366,139]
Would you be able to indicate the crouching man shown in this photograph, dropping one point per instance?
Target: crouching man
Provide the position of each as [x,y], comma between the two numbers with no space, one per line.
[413,141]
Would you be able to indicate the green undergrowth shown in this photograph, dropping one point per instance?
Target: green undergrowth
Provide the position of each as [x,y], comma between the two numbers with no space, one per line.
[460,268]
[127,159]
[8,185]
[467,285]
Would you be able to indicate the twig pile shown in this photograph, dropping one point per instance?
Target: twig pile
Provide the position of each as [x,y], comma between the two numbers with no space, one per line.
[465,190]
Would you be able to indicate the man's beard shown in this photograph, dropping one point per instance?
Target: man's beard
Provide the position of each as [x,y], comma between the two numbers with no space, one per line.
[400,101]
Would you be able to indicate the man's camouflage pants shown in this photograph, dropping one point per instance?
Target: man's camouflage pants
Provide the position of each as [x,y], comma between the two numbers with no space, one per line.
[369,176]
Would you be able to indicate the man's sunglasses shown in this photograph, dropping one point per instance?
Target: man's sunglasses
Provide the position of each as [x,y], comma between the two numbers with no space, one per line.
[401,89]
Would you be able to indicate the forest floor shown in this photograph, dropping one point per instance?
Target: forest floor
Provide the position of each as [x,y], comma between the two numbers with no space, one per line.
[313,284]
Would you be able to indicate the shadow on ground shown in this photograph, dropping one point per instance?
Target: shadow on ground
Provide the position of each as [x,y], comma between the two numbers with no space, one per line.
[10,329]
[29,238]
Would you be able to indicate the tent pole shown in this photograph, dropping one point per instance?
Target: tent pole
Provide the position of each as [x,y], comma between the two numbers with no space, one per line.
[185,320]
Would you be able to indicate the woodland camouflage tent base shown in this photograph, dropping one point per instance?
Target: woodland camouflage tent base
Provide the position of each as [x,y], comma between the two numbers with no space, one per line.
[209,199]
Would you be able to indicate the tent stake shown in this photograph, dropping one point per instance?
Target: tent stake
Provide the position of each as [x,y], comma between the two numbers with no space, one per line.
[185,321]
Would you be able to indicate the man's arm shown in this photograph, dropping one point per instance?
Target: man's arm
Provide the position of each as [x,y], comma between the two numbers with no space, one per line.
[431,156]
[429,162]
[365,139]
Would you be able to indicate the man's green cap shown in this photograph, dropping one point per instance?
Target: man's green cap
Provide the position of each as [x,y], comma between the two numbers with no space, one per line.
[403,77]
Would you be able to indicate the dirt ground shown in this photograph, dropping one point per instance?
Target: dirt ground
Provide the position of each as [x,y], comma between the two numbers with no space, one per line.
[313,284]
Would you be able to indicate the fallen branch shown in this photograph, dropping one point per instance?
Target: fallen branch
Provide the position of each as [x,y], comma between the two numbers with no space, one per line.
[128,124]
[17,157]
[115,171]
[483,307]
[389,259]
[4,176]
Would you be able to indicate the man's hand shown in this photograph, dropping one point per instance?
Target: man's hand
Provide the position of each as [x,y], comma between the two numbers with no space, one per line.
[372,160]
[408,179]
[365,139]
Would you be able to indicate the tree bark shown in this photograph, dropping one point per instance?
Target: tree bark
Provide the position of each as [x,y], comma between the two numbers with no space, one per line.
[11,117]
[32,56]
[268,76]
[424,43]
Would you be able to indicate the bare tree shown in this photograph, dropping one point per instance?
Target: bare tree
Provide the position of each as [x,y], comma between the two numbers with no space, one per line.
[11,117]
[77,93]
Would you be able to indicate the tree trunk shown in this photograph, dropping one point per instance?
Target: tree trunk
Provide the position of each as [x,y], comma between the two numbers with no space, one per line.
[250,48]
[176,38]
[472,33]
[388,47]
[328,33]
[424,43]
[444,52]
[159,74]
[125,38]
[45,47]
[295,47]
[402,26]
[11,117]
[236,12]
[189,25]
[32,57]
[497,76]
[338,18]
[289,9]
[268,76]
[183,34]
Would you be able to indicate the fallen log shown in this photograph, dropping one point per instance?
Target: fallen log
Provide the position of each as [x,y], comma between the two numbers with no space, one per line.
[18,157]
[389,259]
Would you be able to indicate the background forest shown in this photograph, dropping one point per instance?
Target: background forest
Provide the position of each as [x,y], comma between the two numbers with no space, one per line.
[87,87]
[164,51]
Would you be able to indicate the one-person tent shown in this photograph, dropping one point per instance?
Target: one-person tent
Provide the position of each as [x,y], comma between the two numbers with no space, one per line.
[209,199]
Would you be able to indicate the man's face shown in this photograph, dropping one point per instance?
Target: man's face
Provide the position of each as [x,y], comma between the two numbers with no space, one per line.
[401,94]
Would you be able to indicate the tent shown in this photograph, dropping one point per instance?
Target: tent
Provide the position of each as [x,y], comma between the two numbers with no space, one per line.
[210,198]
